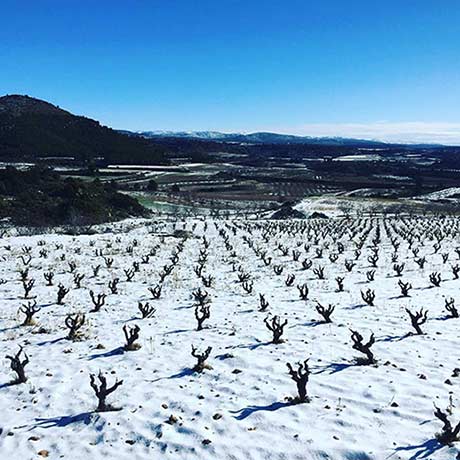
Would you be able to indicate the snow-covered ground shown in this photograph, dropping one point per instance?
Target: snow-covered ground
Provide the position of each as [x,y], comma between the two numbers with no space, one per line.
[343,203]
[238,409]
[442,194]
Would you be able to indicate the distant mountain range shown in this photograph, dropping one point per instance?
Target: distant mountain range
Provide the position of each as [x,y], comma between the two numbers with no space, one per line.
[269,138]
[255,138]
[31,129]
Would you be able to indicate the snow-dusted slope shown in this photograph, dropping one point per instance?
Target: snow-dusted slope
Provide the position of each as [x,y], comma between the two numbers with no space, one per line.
[452,192]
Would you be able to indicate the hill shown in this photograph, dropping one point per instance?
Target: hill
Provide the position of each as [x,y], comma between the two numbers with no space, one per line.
[32,129]
[41,197]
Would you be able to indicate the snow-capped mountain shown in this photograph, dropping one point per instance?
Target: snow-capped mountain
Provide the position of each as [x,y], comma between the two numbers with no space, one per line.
[257,137]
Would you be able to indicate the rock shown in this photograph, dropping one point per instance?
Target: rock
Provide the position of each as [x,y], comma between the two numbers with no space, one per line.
[318,215]
[172,419]
[287,212]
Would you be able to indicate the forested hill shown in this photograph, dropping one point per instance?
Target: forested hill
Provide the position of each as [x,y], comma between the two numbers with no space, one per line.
[41,197]
[31,129]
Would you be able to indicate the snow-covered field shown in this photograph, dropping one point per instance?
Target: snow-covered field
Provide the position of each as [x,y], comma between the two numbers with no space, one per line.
[442,194]
[340,204]
[239,407]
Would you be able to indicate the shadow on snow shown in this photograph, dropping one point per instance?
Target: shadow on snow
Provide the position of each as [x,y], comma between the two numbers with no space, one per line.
[247,411]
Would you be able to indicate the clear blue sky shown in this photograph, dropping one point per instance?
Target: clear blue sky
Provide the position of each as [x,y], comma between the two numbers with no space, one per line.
[292,66]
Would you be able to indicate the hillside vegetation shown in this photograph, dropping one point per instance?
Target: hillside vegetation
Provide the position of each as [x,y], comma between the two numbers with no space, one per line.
[32,129]
[40,196]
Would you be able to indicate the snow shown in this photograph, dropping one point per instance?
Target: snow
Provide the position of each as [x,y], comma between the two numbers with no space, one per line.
[240,406]
[442,194]
[338,204]
[363,157]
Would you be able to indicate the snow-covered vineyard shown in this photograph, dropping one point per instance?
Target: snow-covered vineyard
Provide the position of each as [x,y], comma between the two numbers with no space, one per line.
[180,333]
